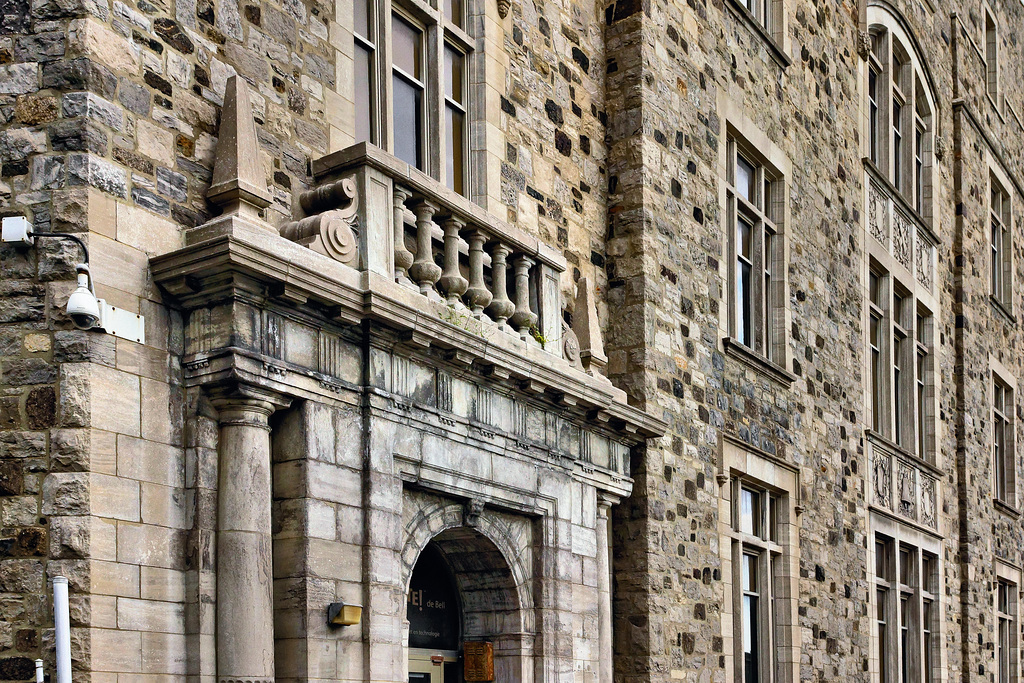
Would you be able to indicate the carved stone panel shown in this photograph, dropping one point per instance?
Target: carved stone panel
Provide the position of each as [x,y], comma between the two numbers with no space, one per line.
[878,214]
[907,488]
[882,477]
[928,501]
[924,261]
[901,237]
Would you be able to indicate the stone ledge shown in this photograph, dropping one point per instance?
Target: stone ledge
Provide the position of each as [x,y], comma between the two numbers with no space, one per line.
[232,256]
[757,362]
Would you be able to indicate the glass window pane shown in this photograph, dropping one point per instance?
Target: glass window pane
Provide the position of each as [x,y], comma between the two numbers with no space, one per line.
[453,12]
[750,512]
[361,13]
[750,644]
[454,152]
[744,234]
[453,74]
[405,43]
[363,94]
[745,178]
[408,115]
[750,582]
[882,560]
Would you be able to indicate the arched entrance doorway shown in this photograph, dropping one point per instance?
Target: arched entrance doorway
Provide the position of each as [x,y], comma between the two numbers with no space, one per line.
[463,597]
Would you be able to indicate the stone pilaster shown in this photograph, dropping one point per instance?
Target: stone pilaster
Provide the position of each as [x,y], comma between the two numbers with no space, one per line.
[606,666]
[245,591]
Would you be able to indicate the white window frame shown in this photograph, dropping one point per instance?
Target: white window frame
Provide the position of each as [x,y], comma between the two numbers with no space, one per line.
[990,53]
[900,395]
[778,559]
[1000,241]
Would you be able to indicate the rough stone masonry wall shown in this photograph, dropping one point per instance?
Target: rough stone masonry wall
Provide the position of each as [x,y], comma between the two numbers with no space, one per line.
[552,115]
[669,240]
[987,135]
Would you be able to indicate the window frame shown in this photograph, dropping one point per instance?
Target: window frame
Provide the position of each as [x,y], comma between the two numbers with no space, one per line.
[1000,242]
[438,32]
[900,363]
[1003,458]
[1007,577]
[766,211]
[899,122]
[906,599]
[990,56]
[775,545]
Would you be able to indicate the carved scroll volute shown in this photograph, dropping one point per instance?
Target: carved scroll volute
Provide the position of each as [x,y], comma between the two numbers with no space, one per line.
[332,232]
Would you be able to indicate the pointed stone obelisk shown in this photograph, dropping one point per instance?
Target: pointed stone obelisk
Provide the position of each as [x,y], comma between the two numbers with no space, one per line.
[239,186]
[588,329]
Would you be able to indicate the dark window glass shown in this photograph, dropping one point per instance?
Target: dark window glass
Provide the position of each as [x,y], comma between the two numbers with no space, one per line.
[744,266]
[363,93]
[408,116]
[455,114]
[405,42]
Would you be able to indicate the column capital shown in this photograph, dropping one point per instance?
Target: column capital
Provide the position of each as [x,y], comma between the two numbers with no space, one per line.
[605,501]
[246,404]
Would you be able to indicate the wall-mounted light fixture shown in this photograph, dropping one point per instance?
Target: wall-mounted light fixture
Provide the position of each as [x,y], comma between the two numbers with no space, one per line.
[86,311]
[340,614]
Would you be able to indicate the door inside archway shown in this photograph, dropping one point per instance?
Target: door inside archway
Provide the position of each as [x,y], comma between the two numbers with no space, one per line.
[435,620]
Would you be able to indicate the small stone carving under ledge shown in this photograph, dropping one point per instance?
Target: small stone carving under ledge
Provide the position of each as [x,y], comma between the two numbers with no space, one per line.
[332,232]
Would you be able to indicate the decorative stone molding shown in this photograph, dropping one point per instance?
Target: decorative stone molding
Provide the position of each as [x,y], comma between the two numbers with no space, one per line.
[503,7]
[863,44]
[898,228]
[902,484]
[472,512]
[331,233]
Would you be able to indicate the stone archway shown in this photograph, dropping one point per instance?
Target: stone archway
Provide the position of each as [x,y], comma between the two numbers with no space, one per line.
[490,596]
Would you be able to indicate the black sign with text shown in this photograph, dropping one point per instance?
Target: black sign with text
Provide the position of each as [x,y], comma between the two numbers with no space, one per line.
[433,607]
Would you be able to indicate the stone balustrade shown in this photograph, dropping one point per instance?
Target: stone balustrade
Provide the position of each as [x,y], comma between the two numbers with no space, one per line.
[418,233]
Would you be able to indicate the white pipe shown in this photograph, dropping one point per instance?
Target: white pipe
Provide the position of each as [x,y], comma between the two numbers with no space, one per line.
[39,671]
[62,624]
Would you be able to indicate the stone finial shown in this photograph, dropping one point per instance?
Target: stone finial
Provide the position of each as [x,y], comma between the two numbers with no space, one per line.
[239,186]
[588,329]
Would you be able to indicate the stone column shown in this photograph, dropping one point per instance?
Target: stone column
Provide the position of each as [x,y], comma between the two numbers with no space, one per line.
[605,667]
[245,589]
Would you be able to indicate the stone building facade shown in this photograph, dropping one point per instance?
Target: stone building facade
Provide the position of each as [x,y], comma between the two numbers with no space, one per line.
[632,341]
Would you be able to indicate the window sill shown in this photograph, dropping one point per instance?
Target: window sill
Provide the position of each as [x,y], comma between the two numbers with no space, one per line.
[774,49]
[1001,308]
[994,101]
[757,362]
[896,449]
[1006,508]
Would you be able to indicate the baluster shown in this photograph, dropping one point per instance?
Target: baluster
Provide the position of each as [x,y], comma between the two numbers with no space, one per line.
[477,295]
[403,257]
[452,282]
[423,270]
[501,306]
[523,319]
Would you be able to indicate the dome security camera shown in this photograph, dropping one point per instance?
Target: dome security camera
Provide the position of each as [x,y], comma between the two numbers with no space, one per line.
[83,306]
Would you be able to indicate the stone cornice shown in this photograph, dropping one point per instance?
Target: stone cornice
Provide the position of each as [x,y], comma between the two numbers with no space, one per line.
[233,258]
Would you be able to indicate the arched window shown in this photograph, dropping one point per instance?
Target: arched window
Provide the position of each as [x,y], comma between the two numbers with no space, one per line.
[899,111]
